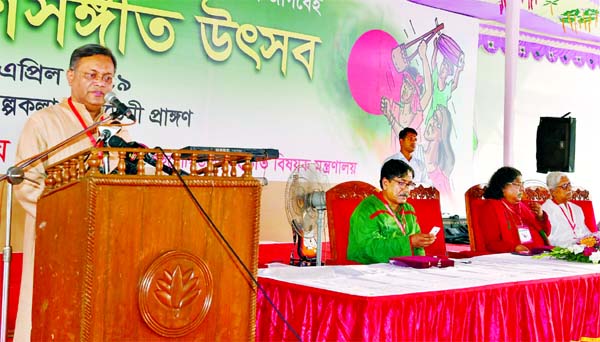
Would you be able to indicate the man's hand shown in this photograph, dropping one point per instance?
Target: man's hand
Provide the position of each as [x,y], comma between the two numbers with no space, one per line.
[422,240]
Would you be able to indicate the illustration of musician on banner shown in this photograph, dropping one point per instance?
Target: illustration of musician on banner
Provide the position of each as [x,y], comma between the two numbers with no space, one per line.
[415,89]
[385,78]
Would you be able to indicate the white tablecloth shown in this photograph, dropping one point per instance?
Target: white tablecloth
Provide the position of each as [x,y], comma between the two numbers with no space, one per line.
[387,279]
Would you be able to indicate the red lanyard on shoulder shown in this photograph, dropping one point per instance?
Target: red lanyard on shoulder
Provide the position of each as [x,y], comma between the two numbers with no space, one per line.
[570,220]
[76,112]
[396,218]
[514,213]
[391,212]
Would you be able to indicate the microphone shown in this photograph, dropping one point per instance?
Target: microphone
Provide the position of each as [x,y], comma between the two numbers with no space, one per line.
[120,108]
[105,132]
[117,141]
[102,138]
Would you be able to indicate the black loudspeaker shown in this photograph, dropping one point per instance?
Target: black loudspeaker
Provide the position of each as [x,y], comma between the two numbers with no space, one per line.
[555,145]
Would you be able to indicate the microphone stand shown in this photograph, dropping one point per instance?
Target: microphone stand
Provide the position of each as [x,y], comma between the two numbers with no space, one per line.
[14,176]
[105,158]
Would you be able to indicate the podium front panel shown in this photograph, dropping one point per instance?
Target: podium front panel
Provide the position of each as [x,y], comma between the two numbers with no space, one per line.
[133,258]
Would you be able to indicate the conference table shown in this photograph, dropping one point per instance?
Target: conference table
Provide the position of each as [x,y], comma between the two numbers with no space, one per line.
[501,297]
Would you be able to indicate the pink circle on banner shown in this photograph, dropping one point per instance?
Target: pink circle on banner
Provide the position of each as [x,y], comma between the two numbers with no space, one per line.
[371,72]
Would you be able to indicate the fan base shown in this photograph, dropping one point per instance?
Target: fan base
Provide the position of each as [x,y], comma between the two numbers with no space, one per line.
[301,262]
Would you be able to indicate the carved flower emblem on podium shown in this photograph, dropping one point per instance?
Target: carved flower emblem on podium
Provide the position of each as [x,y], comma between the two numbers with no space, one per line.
[175,293]
[178,288]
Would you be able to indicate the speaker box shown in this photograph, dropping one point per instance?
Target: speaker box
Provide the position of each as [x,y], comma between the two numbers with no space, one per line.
[555,145]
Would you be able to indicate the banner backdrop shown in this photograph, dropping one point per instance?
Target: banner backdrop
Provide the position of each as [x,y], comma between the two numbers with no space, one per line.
[320,80]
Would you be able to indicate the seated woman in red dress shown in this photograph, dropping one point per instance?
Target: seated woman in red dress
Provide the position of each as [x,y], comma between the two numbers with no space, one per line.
[509,225]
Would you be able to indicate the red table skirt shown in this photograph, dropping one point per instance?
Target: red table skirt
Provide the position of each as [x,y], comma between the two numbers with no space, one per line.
[560,309]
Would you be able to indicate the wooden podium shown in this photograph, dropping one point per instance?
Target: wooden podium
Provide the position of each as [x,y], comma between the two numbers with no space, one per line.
[131,257]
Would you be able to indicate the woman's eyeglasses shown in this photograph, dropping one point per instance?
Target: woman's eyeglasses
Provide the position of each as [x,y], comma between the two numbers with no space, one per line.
[517,184]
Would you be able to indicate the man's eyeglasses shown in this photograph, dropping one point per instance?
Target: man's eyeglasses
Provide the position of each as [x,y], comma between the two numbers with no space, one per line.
[402,182]
[564,186]
[517,184]
[93,76]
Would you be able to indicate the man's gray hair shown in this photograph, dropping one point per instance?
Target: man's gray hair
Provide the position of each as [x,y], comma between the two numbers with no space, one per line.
[553,178]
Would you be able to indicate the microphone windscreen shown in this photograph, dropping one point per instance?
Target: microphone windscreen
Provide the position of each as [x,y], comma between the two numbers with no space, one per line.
[110,97]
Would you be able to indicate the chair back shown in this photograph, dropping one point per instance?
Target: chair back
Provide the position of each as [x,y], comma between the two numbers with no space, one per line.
[581,197]
[473,202]
[426,201]
[341,200]
[536,193]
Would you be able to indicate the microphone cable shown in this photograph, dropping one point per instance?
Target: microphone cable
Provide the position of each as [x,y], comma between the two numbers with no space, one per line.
[231,249]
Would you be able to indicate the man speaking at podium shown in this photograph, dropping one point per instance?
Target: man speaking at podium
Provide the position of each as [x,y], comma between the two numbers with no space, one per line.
[90,76]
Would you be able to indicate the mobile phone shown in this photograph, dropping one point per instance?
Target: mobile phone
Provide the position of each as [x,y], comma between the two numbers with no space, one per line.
[434,230]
